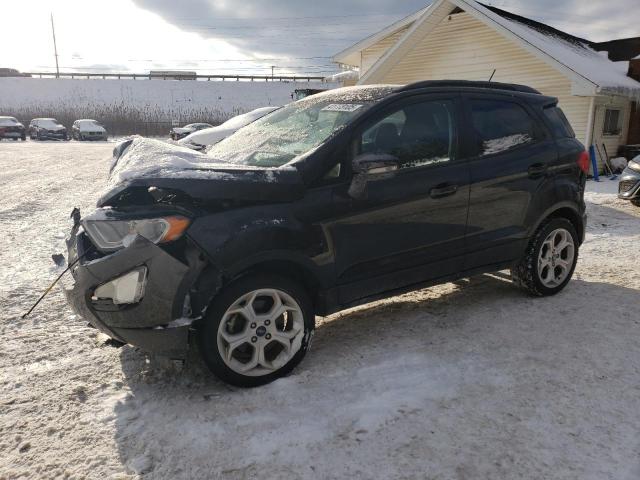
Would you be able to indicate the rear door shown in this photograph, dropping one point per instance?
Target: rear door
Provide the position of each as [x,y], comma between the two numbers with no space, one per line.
[410,227]
[511,163]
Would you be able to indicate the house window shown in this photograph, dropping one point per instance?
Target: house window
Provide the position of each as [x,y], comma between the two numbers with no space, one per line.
[612,122]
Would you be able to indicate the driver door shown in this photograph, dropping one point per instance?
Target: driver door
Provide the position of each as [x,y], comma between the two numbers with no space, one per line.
[410,227]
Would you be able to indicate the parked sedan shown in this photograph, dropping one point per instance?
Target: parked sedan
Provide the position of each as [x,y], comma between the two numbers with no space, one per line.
[629,186]
[12,128]
[210,136]
[47,129]
[88,130]
[177,133]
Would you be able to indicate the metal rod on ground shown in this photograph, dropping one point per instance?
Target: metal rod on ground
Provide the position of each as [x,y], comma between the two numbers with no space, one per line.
[594,163]
[58,279]
[606,167]
[608,162]
[50,287]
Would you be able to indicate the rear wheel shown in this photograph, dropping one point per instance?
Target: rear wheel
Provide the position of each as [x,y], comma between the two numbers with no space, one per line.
[550,259]
[257,330]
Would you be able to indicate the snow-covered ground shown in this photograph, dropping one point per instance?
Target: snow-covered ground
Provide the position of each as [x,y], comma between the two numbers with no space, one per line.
[467,380]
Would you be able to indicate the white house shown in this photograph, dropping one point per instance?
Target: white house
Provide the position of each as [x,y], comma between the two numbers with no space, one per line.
[464,39]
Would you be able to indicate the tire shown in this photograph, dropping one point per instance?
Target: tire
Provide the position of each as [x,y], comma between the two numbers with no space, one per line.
[544,269]
[245,364]
[24,138]
[636,202]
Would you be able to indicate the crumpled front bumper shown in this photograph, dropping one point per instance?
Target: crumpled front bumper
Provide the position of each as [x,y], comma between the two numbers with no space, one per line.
[149,323]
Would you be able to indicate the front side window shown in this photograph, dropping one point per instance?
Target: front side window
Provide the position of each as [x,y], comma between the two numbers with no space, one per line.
[501,126]
[419,134]
[612,122]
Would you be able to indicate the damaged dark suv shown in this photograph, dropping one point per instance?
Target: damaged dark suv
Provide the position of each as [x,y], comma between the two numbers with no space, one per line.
[330,202]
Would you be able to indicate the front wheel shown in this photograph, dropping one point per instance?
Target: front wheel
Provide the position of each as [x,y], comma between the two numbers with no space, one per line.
[636,202]
[257,330]
[550,259]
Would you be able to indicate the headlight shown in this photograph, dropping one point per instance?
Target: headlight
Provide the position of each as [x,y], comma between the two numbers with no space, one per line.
[110,235]
[633,165]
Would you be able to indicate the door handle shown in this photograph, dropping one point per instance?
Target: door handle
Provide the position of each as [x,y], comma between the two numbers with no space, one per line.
[443,191]
[537,170]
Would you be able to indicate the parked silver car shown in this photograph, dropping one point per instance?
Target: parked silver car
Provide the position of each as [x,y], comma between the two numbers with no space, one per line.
[87,129]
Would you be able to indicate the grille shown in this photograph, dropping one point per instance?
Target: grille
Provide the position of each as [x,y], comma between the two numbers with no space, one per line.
[626,185]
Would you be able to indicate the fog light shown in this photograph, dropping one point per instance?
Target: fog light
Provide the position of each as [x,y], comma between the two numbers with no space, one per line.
[126,289]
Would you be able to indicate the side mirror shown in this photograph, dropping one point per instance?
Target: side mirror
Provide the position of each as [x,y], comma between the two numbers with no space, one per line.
[369,167]
[375,163]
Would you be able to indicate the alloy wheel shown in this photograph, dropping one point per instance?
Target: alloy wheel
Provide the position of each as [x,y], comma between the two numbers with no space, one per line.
[260,332]
[555,259]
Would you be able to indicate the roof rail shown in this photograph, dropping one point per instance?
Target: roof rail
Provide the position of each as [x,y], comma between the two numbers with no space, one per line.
[468,84]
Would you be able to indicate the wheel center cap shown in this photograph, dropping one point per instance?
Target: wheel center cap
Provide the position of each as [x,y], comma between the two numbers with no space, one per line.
[260,331]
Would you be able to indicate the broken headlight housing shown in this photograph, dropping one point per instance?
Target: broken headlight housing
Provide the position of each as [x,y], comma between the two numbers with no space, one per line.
[634,164]
[110,235]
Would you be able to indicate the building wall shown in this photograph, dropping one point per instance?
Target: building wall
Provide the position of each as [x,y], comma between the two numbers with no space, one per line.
[463,48]
[372,54]
[612,142]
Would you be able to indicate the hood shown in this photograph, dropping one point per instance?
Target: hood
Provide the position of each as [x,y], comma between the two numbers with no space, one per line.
[151,171]
[91,128]
[58,128]
[182,130]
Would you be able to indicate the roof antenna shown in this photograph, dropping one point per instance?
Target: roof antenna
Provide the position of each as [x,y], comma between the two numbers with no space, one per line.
[491,77]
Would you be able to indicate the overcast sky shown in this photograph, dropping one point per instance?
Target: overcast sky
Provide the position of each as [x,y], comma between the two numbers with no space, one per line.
[248,36]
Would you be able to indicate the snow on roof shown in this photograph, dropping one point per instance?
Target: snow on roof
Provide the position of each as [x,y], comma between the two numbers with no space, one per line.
[345,76]
[570,52]
[575,55]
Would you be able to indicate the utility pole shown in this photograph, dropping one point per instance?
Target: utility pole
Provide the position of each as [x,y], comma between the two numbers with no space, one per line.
[272,68]
[55,47]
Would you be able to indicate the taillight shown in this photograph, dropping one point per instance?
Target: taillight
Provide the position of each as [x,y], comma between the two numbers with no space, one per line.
[583,162]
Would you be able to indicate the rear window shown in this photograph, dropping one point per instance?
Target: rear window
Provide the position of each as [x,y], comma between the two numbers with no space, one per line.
[559,124]
[501,126]
[8,121]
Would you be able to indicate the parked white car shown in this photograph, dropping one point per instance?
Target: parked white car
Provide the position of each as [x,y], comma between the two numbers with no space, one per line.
[87,129]
[210,136]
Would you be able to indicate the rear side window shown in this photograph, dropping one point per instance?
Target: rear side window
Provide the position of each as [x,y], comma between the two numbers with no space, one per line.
[559,124]
[501,126]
